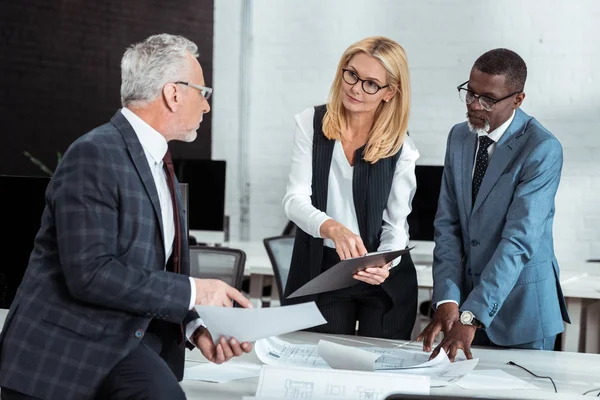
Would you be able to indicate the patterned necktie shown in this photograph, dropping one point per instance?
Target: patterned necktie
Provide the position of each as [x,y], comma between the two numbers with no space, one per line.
[170,171]
[481,164]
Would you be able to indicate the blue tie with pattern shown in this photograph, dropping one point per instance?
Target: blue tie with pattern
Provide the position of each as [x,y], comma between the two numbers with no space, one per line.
[481,163]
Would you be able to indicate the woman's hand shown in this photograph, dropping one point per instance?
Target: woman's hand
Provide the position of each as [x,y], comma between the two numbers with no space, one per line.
[374,275]
[347,244]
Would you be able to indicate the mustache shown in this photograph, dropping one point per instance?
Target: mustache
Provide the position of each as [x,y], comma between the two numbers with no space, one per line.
[475,116]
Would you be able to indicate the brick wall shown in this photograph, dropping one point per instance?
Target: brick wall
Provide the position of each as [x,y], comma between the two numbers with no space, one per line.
[295,48]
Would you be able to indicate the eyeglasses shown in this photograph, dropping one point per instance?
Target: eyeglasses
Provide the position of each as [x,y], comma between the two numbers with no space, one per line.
[206,91]
[486,102]
[368,86]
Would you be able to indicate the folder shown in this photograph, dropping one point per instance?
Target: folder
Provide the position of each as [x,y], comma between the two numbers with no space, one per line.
[341,275]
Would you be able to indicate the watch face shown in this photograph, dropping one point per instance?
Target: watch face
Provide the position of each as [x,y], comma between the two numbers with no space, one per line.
[466,317]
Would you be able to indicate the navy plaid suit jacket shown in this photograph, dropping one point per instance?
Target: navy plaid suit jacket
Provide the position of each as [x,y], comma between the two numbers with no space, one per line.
[96,275]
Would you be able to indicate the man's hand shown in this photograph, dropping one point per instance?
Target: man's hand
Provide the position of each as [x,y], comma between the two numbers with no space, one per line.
[221,352]
[214,292]
[460,337]
[443,320]
[347,244]
[374,275]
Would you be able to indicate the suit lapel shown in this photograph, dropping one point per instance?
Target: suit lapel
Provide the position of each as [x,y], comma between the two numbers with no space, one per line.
[503,154]
[468,158]
[141,165]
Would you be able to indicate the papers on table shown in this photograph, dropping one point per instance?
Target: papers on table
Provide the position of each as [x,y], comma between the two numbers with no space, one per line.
[493,379]
[303,383]
[220,373]
[274,351]
[375,358]
[341,275]
[327,355]
[251,324]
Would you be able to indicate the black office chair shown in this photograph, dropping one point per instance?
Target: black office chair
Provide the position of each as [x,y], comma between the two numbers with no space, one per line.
[279,249]
[218,263]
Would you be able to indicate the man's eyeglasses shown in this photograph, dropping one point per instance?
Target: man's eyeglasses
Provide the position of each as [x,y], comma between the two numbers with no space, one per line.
[206,91]
[486,102]
[369,86]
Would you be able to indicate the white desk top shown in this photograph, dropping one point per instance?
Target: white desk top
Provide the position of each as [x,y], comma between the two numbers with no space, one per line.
[573,373]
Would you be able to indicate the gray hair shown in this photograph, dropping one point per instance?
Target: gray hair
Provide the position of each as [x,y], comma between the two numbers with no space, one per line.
[147,66]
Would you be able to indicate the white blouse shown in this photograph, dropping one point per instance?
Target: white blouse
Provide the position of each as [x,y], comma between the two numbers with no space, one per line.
[340,202]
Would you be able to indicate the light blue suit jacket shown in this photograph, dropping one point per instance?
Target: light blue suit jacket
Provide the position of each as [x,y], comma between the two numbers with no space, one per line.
[496,258]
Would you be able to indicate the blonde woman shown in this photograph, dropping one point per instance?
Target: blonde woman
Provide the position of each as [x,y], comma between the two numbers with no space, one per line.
[350,190]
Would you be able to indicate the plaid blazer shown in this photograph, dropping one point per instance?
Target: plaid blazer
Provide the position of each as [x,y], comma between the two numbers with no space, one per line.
[96,275]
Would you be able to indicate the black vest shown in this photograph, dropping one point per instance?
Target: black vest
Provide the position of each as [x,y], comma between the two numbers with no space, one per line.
[371,185]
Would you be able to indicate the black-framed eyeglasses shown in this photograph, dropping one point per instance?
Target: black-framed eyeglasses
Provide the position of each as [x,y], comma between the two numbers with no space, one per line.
[369,86]
[205,90]
[486,102]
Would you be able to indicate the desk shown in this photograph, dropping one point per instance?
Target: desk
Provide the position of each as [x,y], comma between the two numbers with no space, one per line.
[573,373]
[580,282]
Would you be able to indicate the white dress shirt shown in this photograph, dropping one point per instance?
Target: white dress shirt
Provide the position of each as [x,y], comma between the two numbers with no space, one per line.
[495,135]
[155,147]
[340,202]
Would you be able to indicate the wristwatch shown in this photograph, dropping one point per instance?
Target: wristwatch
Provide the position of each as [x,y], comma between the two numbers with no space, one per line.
[467,318]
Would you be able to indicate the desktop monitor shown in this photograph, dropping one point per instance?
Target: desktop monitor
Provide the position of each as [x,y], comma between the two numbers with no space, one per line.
[22,200]
[206,192]
[424,205]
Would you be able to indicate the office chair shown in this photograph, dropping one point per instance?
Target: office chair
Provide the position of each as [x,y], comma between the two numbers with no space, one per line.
[218,263]
[279,249]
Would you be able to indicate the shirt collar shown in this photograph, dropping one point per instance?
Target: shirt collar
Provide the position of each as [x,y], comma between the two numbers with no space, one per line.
[497,133]
[151,140]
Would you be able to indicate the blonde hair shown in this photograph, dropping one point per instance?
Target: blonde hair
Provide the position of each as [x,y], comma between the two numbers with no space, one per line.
[391,118]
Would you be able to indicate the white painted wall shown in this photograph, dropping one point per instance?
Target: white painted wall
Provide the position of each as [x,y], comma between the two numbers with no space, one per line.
[296,45]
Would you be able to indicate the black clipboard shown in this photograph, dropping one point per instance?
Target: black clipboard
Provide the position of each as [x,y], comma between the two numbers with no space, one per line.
[340,276]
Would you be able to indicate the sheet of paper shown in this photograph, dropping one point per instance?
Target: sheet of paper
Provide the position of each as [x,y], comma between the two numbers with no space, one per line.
[274,351]
[444,374]
[341,274]
[375,358]
[251,324]
[220,373]
[493,379]
[304,383]
[346,357]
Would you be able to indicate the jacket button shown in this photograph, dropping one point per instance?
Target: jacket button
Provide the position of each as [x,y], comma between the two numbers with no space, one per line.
[139,333]
[474,243]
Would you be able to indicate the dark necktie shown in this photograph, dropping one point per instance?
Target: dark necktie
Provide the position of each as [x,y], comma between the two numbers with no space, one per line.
[481,163]
[170,171]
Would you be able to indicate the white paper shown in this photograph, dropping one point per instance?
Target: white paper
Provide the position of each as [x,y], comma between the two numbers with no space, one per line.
[444,374]
[251,324]
[493,379]
[346,357]
[274,351]
[304,383]
[220,373]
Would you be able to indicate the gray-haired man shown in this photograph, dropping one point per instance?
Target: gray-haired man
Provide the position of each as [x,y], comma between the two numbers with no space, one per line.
[106,304]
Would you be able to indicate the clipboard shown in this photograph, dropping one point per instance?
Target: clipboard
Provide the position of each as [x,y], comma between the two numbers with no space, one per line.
[340,276]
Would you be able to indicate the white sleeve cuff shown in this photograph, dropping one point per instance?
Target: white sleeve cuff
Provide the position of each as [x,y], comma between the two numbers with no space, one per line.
[439,303]
[193,296]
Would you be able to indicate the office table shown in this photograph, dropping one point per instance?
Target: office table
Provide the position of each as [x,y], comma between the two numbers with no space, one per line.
[573,373]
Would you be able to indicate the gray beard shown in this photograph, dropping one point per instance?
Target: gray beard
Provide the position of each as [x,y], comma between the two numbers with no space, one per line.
[480,131]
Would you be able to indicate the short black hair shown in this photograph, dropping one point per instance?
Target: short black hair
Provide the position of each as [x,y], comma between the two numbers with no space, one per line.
[504,62]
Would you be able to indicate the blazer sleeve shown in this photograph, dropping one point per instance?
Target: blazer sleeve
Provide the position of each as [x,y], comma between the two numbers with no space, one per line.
[448,266]
[86,209]
[532,204]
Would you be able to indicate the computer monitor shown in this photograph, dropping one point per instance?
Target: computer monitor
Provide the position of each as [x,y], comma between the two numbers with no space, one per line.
[424,205]
[206,193]
[22,199]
